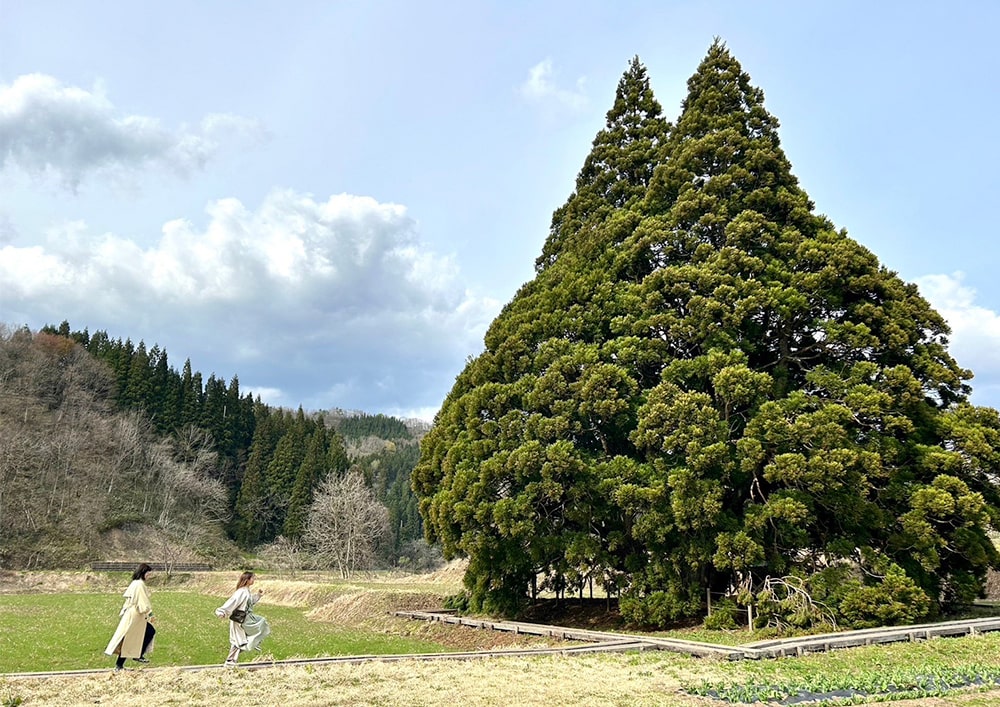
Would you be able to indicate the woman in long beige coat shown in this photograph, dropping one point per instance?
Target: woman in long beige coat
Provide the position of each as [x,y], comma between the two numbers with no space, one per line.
[135,631]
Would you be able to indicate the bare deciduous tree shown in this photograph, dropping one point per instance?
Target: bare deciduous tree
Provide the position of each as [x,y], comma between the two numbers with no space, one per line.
[283,555]
[346,523]
[189,501]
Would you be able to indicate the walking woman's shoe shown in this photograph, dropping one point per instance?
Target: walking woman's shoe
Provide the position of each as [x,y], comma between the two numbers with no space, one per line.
[140,659]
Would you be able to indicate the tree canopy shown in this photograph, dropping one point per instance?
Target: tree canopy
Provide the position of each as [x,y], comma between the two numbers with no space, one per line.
[707,385]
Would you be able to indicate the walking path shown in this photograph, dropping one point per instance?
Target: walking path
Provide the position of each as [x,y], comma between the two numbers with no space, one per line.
[753,651]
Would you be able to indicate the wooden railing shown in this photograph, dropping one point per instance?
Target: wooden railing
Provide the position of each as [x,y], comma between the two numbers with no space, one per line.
[157,566]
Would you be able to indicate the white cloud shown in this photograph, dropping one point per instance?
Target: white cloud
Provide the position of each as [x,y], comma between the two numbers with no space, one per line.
[270,396]
[975,338]
[49,130]
[425,413]
[320,303]
[541,87]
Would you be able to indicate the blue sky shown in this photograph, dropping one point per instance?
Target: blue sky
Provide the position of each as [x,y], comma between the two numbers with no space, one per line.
[332,200]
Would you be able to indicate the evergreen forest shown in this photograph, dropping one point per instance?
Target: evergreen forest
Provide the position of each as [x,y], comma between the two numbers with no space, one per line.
[709,390]
[102,435]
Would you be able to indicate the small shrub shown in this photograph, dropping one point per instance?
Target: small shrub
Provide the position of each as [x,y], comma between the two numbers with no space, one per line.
[896,600]
[457,602]
[723,616]
[283,555]
[123,521]
[960,590]
[659,608]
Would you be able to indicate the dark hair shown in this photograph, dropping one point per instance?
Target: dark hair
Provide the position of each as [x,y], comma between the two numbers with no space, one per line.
[141,571]
[244,579]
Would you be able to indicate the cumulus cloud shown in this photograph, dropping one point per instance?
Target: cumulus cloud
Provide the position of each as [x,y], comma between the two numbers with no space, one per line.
[48,129]
[975,339]
[541,87]
[320,303]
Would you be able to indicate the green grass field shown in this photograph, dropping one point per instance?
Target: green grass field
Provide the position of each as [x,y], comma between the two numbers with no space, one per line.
[69,631]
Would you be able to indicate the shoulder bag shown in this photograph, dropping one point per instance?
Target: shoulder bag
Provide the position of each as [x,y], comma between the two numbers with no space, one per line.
[238,615]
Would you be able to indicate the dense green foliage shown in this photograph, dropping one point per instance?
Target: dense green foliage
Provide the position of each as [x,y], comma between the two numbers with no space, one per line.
[896,684]
[388,473]
[288,458]
[707,386]
[364,425]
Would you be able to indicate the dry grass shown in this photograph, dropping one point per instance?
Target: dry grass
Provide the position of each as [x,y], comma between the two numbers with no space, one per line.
[23,582]
[359,607]
[612,680]
[557,681]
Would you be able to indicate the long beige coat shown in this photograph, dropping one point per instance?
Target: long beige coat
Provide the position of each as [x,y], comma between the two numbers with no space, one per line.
[135,613]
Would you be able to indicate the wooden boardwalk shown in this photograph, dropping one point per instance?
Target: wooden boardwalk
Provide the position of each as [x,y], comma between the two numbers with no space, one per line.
[871,636]
[750,651]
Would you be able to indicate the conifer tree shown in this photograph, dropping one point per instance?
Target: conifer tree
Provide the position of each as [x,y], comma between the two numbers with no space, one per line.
[282,470]
[801,380]
[619,166]
[214,411]
[100,345]
[191,395]
[514,470]
[255,507]
[139,388]
[707,385]
[310,473]
[336,455]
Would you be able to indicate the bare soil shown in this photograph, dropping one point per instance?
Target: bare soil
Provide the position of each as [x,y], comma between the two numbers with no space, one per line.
[591,614]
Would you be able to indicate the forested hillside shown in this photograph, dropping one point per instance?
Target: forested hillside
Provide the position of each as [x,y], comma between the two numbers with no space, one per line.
[76,474]
[709,388]
[103,442]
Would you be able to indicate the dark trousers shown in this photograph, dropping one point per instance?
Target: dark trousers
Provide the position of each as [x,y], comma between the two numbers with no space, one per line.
[147,639]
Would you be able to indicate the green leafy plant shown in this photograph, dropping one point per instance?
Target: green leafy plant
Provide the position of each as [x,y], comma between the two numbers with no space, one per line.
[895,600]
[723,616]
[457,602]
[907,683]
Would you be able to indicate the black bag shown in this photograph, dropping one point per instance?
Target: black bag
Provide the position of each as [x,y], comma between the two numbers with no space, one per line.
[239,615]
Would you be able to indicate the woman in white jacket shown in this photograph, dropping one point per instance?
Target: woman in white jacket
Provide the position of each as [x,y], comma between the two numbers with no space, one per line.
[244,636]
